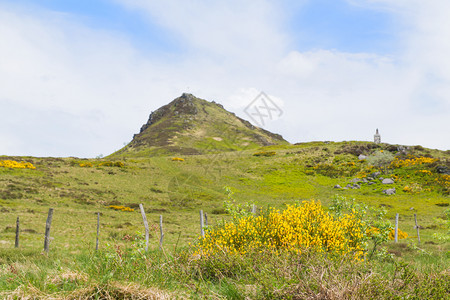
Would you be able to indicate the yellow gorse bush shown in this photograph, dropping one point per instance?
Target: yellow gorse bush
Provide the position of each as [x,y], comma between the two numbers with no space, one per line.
[413,188]
[121,208]
[444,180]
[177,159]
[111,164]
[426,172]
[401,235]
[411,161]
[16,165]
[297,228]
[102,164]
[86,165]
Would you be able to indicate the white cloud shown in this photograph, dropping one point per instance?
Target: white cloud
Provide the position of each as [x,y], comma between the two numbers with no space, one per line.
[225,30]
[96,79]
[84,91]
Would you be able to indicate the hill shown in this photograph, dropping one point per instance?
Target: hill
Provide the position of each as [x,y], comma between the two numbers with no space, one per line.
[189,125]
[177,188]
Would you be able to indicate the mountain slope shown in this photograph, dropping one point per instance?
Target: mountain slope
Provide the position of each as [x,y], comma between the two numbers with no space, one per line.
[189,125]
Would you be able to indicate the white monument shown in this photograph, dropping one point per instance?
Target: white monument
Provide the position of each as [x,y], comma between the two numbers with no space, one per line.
[377,137]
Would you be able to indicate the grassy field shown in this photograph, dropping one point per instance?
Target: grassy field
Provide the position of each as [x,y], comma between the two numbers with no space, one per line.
[177,189]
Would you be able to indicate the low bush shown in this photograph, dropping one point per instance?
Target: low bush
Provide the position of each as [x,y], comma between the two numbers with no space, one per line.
[265,153]
[380,158]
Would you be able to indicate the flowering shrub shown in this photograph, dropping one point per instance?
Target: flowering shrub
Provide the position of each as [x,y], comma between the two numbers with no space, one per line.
[401,235]
[426,172]
[411,161]
[413,188]
[16,165]
[297,228]
[101,164]
[177,159]
[86,165]
[111,164]
[121,208]
[377,228]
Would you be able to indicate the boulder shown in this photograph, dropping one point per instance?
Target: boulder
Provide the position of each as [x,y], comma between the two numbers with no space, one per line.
[387,181]
[375,174]
[443,170]
[355,180]
[371,182]
[337,186]
[362,157]
[389,191]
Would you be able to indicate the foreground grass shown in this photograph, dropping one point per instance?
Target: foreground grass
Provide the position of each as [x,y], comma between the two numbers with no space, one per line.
[118,273]
[223,265]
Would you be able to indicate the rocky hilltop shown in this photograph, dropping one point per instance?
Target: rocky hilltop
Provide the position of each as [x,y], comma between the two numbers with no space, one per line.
[190,125]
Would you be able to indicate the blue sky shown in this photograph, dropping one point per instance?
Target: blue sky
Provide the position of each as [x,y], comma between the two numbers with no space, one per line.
[331,24]
[336,24]
[86,74]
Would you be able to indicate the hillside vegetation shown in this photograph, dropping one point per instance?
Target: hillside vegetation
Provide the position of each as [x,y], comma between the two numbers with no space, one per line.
[177,187]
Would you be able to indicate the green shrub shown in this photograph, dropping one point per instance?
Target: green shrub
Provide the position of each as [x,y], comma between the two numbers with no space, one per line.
[380,158]
[265,153]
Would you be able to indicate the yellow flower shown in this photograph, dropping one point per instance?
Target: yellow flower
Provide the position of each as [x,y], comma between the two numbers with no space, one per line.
[16,165]
[298,227]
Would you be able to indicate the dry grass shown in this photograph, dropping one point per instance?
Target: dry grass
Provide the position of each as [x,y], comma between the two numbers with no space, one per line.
[112,291]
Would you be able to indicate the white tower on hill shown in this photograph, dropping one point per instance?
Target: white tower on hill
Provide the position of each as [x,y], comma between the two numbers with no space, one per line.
[377,137]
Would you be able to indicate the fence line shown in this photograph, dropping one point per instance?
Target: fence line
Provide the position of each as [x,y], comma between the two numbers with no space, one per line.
[48,224]
[144,219]
[16,243]
[161,233]
[396,228]
[203,224]
[98,231]
[417,227]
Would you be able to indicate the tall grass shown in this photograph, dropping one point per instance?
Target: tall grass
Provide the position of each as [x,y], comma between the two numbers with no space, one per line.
[129,272]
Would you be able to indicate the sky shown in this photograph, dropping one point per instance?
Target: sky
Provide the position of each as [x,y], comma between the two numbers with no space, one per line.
[79,78]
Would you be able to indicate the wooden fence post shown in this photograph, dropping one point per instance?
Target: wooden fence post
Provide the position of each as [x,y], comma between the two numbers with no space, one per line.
[48,224]
[161,232]
[396,228]
[144,219]
[16,245]
[253,209]
[417,227]
[202,230]
[98,231]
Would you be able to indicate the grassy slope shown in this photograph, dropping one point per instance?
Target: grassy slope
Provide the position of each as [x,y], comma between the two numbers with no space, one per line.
[177,190]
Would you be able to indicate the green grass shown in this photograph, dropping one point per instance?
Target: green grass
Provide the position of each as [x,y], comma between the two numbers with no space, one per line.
[177,191]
